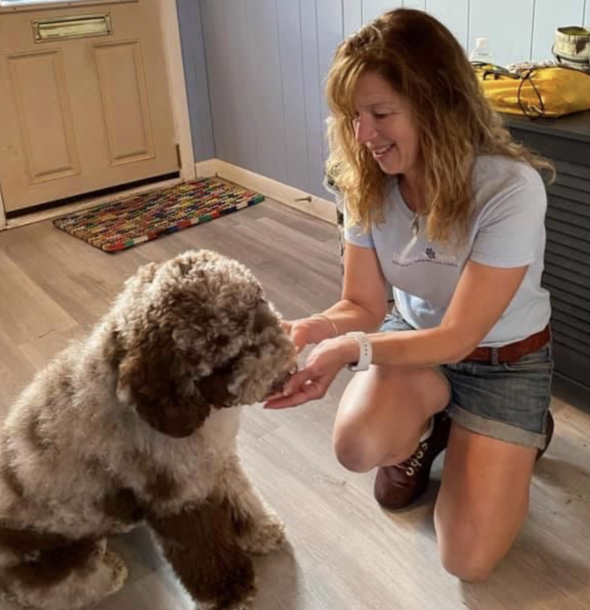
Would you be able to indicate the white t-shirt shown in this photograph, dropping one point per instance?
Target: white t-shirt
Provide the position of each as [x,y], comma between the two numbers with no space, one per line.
[506,229]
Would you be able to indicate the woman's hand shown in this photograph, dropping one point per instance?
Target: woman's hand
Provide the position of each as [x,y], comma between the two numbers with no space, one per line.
[321,367]
[303,332]
[308,331]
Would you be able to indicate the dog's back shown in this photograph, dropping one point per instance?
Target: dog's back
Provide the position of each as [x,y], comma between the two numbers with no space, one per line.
[47,443]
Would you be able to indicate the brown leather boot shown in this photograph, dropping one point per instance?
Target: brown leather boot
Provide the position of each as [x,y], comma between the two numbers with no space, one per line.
[398,486]
[549,433]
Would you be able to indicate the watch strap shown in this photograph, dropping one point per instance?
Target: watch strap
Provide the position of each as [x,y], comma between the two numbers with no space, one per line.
[365,349]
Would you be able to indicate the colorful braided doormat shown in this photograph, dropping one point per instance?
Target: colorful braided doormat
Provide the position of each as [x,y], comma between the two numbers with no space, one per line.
[140,218]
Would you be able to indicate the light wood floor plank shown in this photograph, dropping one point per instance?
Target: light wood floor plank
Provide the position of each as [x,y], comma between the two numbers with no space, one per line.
[28,312]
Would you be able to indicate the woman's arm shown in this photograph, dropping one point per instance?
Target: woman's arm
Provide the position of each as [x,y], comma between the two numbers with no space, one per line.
[362,306]
[482,295]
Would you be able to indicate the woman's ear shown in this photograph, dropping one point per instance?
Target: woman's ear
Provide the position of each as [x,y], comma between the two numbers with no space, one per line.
[154,381]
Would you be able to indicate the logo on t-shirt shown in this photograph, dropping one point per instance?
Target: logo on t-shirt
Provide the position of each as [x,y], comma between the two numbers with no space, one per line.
[428,256]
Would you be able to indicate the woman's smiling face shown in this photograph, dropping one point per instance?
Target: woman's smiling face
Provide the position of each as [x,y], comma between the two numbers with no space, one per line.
[385,124]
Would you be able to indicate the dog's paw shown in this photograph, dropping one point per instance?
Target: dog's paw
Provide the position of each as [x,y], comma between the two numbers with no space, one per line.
[264,536]
[118,568]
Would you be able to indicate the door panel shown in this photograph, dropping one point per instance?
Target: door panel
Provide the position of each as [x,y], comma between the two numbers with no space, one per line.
[86,111]
[46,118]
[124,96]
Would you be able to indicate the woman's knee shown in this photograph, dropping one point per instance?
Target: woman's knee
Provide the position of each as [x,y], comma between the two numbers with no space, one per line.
[468,565]
[468,554]
[358,448]
[353,451]
[373,428]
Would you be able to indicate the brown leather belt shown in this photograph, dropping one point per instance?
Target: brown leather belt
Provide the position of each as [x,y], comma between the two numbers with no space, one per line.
[511,352]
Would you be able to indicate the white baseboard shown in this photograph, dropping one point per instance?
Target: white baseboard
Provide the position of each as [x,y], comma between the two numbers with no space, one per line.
[287,195]
[206,169]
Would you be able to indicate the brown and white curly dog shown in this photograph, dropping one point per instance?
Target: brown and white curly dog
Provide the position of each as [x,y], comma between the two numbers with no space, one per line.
[131,426]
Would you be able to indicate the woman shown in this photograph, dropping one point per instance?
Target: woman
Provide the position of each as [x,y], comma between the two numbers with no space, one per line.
[443,205]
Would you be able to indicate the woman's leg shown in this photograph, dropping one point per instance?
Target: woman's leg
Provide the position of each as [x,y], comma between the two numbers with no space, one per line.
[383,412]
[482,503]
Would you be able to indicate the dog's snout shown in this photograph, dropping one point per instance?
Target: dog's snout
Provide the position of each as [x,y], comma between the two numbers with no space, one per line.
[283,379]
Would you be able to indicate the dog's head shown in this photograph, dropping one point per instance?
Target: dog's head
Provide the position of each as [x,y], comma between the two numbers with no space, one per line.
[193,334]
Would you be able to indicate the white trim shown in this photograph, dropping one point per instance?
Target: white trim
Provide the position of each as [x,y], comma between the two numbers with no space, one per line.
[180,110]
[177,83]
[63,210]
[206,169]
[288,195]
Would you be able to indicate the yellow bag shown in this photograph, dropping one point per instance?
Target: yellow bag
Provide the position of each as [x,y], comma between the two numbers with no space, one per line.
[535,92]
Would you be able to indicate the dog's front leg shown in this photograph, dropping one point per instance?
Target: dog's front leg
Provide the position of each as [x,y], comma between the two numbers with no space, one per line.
[201,545]
[258,528]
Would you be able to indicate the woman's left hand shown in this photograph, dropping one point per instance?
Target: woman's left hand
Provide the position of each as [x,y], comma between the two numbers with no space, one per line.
[321,367]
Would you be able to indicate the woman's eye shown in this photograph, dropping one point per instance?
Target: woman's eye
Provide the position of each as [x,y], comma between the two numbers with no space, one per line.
[378,115]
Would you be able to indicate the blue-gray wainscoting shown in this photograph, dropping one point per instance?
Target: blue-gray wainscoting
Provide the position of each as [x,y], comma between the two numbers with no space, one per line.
[255,68]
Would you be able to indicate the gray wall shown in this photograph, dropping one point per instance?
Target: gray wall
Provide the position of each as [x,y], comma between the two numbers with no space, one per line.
[197,84]
[255,68]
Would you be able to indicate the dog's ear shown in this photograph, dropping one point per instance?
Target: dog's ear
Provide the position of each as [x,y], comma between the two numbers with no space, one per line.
[154,379]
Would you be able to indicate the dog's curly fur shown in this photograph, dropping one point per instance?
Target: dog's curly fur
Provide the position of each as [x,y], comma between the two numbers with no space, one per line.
[131,426]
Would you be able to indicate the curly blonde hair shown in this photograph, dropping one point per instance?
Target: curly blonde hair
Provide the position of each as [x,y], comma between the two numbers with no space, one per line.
[420,59]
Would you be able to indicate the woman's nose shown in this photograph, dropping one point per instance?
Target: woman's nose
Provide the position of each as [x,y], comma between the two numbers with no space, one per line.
[364,129]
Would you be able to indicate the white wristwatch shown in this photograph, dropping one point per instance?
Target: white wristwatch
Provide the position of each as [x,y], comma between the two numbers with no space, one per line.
[366,352]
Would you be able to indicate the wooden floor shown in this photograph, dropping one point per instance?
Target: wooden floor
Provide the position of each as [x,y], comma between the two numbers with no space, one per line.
[344,552]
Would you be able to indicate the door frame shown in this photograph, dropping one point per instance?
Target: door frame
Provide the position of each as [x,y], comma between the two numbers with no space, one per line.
[178,98]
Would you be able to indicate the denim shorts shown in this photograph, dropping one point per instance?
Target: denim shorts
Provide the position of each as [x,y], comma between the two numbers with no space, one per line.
[508,401]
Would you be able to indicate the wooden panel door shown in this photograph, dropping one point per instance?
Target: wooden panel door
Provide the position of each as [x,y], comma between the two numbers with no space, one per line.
[84,100]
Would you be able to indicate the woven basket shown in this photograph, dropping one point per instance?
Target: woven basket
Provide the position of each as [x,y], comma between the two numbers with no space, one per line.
[572,47]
